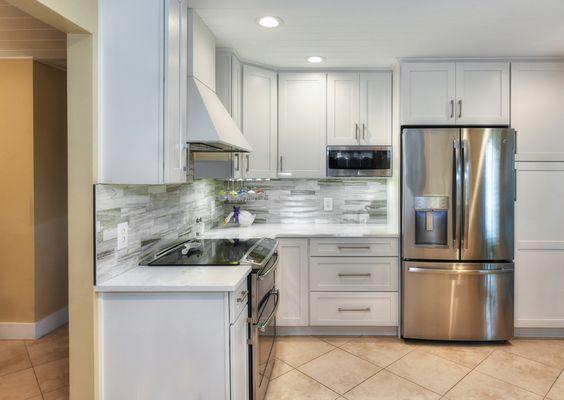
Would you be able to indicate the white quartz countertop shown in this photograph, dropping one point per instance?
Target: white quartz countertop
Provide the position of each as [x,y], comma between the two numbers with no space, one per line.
[177,279]
[302,230]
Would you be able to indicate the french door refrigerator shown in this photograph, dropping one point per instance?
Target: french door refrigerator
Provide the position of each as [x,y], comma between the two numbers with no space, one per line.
[458,192]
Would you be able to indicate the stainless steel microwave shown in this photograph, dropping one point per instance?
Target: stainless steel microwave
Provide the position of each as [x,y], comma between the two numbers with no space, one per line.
[359,161]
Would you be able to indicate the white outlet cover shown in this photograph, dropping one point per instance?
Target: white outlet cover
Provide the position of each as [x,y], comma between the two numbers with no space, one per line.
[122,235]
[327,204]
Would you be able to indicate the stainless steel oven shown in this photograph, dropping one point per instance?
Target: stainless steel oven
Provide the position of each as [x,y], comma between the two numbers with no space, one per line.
[360,161]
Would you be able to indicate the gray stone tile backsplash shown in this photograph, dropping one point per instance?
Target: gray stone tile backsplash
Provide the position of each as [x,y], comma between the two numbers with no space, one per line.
[160,214]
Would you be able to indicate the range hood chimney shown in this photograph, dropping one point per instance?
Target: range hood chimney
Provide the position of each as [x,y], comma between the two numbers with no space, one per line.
[210,127]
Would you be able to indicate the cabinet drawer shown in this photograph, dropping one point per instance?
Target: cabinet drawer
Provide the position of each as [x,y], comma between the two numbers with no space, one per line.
[353,274]
[383,247]
[353,309]
[238,301]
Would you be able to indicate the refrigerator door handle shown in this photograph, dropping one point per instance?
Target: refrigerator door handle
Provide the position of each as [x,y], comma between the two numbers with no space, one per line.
[455,182]
[461,271]
[464,194]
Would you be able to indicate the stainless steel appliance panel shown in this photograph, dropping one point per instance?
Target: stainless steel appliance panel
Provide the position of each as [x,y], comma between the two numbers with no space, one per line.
[457,301]
[488,192]
[430,195]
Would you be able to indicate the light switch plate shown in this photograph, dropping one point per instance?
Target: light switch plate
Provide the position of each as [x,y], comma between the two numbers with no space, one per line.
[327,204]
[122,235]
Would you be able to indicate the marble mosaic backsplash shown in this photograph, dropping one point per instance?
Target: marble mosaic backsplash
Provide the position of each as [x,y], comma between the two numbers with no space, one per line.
[287,201]
[157,215]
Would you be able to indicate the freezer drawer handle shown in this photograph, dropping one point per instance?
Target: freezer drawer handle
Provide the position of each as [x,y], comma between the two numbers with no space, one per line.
[365,309]
[341,275]
[460,272]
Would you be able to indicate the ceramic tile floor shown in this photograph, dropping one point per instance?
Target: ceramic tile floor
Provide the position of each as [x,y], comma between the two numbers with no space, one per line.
[378,368]
[35,369]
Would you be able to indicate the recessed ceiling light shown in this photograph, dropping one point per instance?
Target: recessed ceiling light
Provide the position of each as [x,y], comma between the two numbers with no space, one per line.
[315,59]
[269,21]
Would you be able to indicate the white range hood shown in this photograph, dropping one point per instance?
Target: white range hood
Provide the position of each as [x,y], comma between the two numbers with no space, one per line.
[210,127]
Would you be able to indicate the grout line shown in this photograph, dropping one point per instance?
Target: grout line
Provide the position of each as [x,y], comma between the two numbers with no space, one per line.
[415,383]
[34,373]
[553,383]
[322,384]
[510,383]
[530,359]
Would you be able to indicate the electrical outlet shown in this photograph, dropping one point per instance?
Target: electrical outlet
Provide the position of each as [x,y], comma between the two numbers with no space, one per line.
[327,204]
[122,235]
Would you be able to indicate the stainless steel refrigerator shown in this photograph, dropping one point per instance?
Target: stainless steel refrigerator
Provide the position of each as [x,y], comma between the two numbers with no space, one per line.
[458,192]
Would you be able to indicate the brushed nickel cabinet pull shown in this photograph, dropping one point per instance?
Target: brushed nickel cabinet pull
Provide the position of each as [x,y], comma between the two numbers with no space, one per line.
[459,108]
[365,309]
[353,247]
[452,109]
[367,275]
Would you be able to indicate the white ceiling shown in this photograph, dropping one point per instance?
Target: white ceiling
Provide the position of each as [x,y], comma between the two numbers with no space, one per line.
[373,33]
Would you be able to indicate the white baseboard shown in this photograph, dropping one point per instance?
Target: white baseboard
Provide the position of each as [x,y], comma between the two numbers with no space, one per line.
[539,332]
[337,330]
[34,330]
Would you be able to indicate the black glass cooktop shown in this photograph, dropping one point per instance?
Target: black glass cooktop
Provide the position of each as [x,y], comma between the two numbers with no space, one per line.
[216,252]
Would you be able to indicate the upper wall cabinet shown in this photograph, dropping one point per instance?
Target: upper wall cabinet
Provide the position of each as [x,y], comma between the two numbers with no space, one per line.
[537,110]
[229,83]
[302,124]
[359,108]
[468,93]
[260,121]
[143,84]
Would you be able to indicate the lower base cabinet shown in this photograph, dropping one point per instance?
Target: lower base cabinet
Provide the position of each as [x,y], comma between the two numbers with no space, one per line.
[354,309]
[172,346]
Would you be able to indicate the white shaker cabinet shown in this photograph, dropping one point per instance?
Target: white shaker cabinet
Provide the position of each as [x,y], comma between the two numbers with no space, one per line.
[448,93]
[428,93]
[260,122]
[482,93]
[537,110]
[539,255]
[359,108]
[302,124]
[172,346]
[292,280]
[143,85]
[343,108]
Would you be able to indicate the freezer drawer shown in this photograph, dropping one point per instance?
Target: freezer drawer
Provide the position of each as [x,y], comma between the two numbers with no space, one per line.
[457,301]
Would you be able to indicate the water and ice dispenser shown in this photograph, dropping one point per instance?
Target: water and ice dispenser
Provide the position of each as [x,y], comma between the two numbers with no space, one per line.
[431,220]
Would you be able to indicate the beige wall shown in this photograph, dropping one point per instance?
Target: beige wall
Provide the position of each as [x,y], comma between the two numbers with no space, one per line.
[50,189]
[17,278]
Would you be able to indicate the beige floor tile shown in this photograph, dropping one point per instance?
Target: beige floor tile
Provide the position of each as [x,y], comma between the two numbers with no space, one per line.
[378,350]
[339,370]
[296,386]
[280,368]
[54,346]
[549,352]
[429,371]
[477,386]
[297,350]
[467,355]
[387,386]
[36,398]
[13,356]
[557,390]
[59,394]
[53,375]
[337,341]
[527,374]
[19,385]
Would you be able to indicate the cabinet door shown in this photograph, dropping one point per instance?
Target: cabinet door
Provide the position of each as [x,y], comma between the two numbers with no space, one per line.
[176,86]
[427,93]
[376,108]
[236,91]
[482,93]
[260,122]
[537,110]
[539,269]
[342,109]
[239,358]
[302,124]
[293,283]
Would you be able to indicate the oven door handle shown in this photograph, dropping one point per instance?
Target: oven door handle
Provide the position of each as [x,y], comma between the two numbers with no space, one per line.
[264,274]
[262,326]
